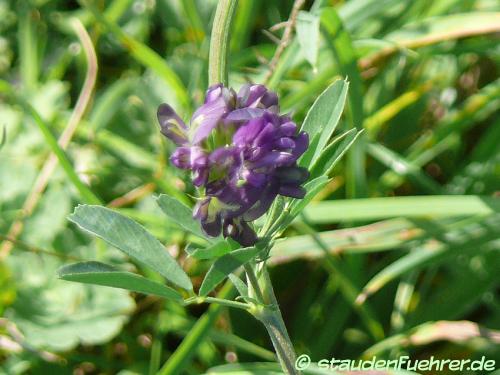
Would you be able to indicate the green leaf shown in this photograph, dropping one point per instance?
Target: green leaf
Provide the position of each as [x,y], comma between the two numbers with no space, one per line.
[214,251]
[333,153]
[180,214]
[308,36]
[240,286]
[102,274]
[131,238]
[223,266]
[322,119]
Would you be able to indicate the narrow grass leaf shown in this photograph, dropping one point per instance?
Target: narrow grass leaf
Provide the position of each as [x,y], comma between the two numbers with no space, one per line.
[403,167]
[437,206]
[467,239]
[143,54]
[339,41]
[458,332]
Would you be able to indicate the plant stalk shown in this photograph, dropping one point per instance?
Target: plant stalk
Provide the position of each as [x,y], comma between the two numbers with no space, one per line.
[219,42]
[270,316]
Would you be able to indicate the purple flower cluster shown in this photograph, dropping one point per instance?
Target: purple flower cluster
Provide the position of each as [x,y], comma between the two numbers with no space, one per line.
[242,154]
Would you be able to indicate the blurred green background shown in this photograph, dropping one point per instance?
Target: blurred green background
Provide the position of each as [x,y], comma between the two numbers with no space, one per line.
[398,255]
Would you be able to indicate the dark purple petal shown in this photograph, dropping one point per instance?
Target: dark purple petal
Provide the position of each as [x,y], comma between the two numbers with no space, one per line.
[257,96]
[206,118]
[249,94]
[292,191]
[269,100]
[200,176]
[295,175]
[172,125]
[189,157]
[274,159]
[212,228]
[239,231]
[199,157]
[253,178]
[218,103]
[208,216]
[225,158]
[262,205]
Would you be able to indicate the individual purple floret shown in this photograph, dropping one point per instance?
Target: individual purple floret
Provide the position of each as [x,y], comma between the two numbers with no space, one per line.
[242,153]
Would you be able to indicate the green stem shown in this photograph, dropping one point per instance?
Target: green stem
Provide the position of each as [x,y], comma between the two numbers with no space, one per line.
[220,301]
[219,42]
[270,316]
[253,283]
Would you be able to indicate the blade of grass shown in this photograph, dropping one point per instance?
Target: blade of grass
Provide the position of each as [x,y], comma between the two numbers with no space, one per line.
[348,289]
[430,332]
[435,30]
[243,22]
[375,122]
[200,331]
[437,206]
[182,326]
[143,54]
[197,28]
[403,167]
[431,144]
[28,48]
[339,41]
[466,239]
[464,289]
